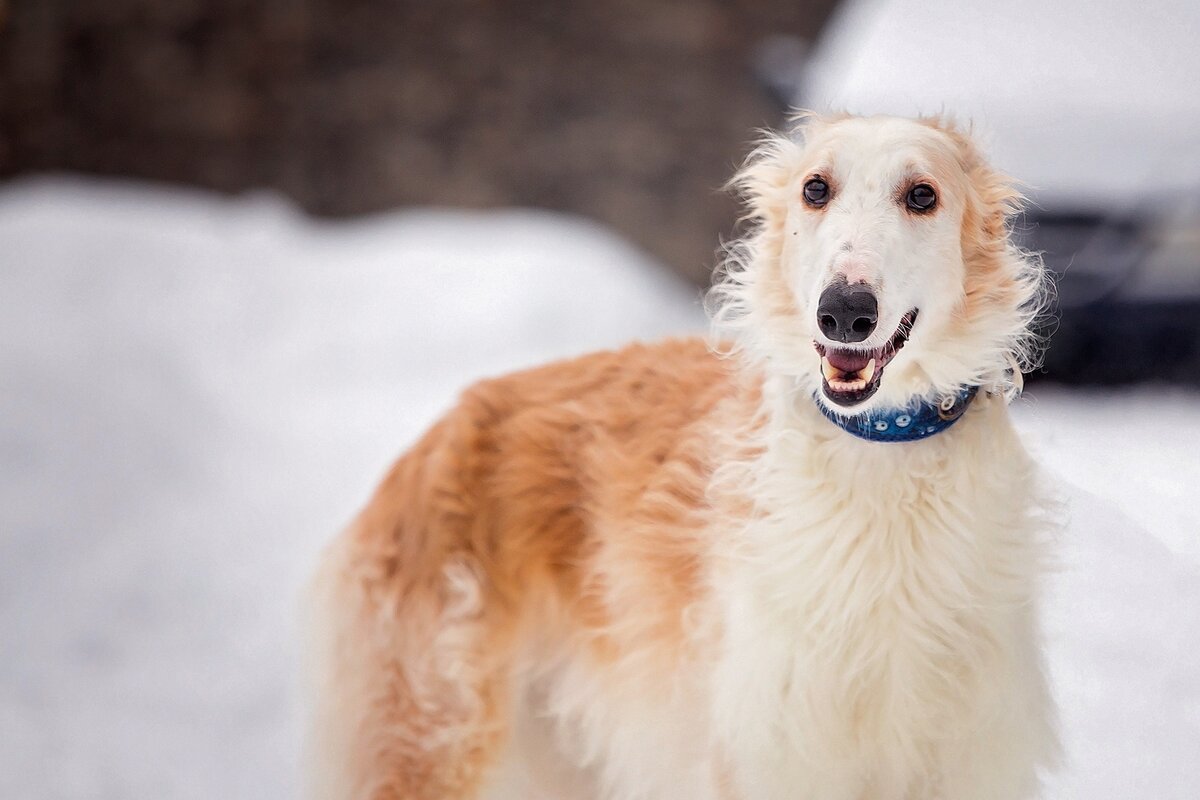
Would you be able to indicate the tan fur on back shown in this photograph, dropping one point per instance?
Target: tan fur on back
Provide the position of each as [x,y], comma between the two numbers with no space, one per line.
[564,496]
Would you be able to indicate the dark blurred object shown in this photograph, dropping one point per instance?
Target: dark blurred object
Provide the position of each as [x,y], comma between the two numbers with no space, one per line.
[629,111]
[1128,295]
[1097,114]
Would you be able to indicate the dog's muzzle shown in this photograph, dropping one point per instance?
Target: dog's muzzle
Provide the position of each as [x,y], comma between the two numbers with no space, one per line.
[851,375]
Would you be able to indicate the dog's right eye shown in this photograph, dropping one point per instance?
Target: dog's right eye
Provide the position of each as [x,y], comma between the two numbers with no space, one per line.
[816,192]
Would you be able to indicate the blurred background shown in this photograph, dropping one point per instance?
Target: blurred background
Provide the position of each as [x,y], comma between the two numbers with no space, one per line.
[249,250]
[629,112]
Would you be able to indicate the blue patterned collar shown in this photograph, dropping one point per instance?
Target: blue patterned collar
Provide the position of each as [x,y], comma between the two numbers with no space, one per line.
[920,420]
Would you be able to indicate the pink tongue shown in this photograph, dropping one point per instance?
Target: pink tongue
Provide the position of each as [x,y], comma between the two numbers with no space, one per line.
[848,360]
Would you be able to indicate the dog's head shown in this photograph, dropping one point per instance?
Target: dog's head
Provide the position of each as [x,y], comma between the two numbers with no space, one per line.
[879,266]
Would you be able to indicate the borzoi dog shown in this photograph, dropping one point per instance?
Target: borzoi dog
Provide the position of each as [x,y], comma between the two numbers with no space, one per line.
[804,567]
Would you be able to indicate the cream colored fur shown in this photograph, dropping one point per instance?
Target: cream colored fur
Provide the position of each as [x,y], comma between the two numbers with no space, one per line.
[764,607]
[880,632]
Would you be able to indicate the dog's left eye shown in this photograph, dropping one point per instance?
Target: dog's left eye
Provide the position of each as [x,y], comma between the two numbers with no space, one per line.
[816,192]
[921,197]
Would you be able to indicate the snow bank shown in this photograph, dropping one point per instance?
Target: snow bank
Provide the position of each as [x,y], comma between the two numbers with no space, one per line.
[195,393]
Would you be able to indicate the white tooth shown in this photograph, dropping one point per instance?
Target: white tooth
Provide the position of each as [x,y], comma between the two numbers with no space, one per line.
[867,372]
[831,372]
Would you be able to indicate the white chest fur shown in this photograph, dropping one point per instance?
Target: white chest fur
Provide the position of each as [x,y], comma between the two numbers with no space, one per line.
[878,631]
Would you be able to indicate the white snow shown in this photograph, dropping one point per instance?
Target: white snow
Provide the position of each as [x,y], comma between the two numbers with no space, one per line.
[195,393]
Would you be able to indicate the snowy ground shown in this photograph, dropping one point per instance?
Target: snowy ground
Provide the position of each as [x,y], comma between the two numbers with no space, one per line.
[195,393]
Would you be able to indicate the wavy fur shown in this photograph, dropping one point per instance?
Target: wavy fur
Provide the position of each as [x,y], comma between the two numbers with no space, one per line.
[661,573]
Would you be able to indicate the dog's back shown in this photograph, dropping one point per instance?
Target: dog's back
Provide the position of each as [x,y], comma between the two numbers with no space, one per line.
[557,503]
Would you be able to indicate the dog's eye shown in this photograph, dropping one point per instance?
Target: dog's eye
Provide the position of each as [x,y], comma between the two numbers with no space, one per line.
[921,197]
[816,192]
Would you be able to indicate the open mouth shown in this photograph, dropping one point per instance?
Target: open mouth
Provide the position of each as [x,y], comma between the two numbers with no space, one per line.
[852,375]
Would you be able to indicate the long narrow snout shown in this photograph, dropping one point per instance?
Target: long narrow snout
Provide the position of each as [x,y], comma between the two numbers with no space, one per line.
[847,312]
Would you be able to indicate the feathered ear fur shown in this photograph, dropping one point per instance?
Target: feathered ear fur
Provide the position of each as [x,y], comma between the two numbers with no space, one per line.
[1007,290]
[741,309]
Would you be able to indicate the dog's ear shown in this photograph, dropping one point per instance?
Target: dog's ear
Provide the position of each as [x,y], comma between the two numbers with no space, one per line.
[1003,283]
[742,302]
[992,197]
[762,180]
[995,197]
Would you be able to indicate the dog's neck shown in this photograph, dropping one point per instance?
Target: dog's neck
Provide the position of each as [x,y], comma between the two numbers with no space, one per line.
[798,442]
[818,489]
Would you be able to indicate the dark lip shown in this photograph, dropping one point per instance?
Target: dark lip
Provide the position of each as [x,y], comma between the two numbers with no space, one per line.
[882,355]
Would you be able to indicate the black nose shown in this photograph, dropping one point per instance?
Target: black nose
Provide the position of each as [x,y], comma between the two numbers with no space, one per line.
[847,313]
